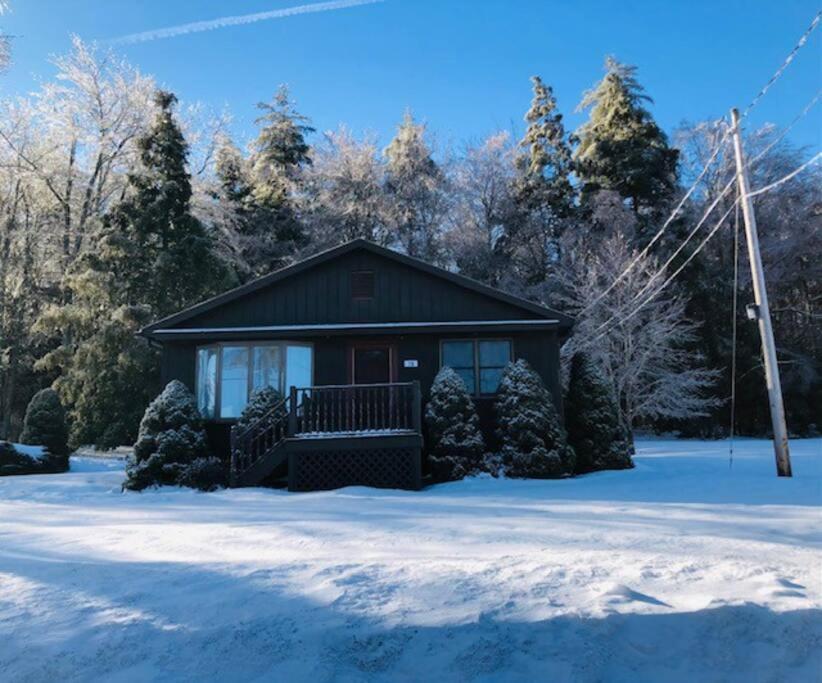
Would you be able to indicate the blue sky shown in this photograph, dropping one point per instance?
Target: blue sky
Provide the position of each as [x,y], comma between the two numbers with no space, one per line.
[462,66]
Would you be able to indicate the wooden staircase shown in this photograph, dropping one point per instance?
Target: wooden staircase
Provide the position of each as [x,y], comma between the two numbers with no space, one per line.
[340,412]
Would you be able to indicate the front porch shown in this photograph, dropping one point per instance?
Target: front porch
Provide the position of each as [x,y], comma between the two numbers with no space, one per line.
[325,437]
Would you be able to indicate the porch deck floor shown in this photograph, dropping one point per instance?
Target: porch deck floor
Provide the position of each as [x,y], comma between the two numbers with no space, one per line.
[355,434]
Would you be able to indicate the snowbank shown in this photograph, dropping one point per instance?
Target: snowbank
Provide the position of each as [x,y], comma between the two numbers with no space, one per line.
[682,569]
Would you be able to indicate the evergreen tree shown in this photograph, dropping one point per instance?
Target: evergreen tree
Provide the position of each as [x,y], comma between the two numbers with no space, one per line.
[259,405]
[171,438]
[280,152]
[456,444]
[620,146]
[45,423]
[413,186]
[534,443]
[592,417]
[160,254]
[544,196]
[153,258]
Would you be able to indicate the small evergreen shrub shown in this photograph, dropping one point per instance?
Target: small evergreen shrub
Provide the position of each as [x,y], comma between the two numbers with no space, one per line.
[261,403]
[14,461]
[171,437]
[592,417]
[45,425]
[453,429]
[534,444]
[205,474]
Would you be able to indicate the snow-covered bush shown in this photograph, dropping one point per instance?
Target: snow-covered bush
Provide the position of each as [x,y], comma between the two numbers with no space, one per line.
[456,444]
[171,437]
[260,404]
[27,459]
[205,474]
[593,421]
[534,444]
[45,424]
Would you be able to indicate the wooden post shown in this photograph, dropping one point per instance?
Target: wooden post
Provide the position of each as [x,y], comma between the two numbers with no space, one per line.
[232,468]
[780,430]
[292,411]
[416,408]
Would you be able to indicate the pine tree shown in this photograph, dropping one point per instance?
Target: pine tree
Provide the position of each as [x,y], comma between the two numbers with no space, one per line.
[413,187]
[534,443]
[259,405]
[544,196]
[45,423]
[171,438]
[160,254]
[620,146]
[152,258]
[592,417]
[280,152]
[456,443]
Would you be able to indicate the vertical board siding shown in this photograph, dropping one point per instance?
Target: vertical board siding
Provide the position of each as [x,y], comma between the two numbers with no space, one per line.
[322,295]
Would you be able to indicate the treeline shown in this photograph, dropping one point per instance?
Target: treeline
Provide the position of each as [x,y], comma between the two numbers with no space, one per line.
[118,206]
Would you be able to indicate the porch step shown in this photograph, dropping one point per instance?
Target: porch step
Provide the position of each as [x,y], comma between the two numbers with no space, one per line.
[263,466]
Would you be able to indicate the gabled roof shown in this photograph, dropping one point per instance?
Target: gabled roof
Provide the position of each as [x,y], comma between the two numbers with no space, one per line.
[335,252]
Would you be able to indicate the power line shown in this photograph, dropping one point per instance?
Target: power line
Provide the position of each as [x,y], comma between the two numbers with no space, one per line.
[676,253]
[786,178]
[668,281]
[787,129]
[773,79]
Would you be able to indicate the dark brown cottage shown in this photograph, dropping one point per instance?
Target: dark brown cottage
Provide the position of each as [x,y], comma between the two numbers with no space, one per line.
[353,338]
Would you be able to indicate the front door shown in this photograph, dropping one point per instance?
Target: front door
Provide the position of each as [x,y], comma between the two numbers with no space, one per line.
[372,364]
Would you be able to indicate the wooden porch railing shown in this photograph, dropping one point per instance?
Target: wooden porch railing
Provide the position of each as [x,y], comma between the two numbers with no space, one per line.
[331,409]
[355,408]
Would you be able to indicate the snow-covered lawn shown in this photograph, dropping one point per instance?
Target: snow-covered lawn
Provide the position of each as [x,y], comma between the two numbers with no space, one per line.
[679,570]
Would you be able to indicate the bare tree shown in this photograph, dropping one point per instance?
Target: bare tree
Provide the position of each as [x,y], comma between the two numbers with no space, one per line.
[646,355]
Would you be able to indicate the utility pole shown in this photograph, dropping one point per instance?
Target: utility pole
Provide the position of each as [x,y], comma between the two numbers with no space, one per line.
[762,312]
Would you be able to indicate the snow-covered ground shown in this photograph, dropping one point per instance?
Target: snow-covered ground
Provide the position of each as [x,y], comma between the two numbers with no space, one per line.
[682,569]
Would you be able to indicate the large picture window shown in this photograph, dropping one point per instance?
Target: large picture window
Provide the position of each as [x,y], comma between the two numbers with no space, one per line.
[479,362]
[227,374]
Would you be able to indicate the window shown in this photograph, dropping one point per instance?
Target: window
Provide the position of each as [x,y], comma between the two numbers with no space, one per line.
[227,374]
[479,362]
[362,284]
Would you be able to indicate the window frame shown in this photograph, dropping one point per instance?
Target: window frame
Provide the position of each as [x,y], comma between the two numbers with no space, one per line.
[283,344]
[476,342]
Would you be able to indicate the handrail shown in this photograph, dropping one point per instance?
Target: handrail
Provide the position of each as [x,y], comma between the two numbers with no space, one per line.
[330,408]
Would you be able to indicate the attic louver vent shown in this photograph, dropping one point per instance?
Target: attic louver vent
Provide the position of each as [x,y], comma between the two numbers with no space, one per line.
[362,284]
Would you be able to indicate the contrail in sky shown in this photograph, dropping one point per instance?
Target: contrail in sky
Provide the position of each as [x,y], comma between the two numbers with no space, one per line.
[212,24]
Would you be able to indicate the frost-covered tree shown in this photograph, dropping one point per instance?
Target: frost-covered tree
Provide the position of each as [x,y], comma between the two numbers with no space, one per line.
[45,423]
[534,443]
[414,187]
[280,152]
[639,338]
[483,188]
[620,147]
[344,190]
[456,445]
[5,40]
[171,438]
[593,420]
[544,196]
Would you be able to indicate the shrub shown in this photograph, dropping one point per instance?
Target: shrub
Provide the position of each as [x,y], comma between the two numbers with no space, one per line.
[171,437]
[453,429]
[595,428]
[262,401]
[45,424]
[205,474]
[39,461]
[534,443]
